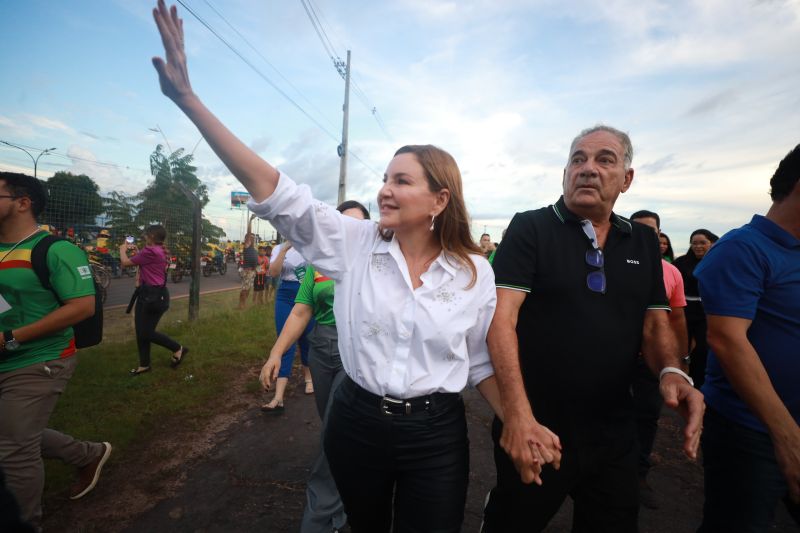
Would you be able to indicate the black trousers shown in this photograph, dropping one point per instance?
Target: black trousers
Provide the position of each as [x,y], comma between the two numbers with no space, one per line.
[146,334]
[697,366]
[408,469]
[647,402]
[600,478]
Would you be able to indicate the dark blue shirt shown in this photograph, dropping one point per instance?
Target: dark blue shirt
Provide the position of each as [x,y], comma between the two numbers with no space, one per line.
[250,258]
[754,273]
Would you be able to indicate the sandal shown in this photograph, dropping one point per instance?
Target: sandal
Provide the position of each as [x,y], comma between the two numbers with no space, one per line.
[277,410]
[177,360]
[309,387]
[140,370]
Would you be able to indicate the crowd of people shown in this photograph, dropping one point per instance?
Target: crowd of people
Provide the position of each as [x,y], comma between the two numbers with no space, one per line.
[577,329]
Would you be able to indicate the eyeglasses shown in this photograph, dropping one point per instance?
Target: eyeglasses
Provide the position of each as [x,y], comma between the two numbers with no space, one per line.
[596,280]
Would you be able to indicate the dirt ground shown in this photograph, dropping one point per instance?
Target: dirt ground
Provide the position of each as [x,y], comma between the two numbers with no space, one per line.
[243,471]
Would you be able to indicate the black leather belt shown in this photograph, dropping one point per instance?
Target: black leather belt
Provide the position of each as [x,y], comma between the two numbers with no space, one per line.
[401,406]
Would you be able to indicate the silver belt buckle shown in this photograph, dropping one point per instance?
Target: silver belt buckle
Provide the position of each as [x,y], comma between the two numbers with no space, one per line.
[386,401]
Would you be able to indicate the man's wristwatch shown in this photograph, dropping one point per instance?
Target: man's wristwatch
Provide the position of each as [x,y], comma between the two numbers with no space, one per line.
[10,343]
[673,370]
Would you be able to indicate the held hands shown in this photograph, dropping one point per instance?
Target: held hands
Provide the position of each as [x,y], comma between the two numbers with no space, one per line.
[530,446]
[689,403]
[172,74]
[269,372]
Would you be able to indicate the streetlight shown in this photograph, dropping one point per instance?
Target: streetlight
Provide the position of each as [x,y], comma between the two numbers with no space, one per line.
[34,159]
[158,129]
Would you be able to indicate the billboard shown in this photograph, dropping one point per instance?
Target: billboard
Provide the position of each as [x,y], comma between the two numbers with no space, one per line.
[239,198]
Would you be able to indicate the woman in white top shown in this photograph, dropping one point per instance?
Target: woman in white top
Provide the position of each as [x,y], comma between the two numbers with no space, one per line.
[290,267]
[414,299]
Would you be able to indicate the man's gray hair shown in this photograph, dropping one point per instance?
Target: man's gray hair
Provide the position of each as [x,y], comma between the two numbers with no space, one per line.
[624,139]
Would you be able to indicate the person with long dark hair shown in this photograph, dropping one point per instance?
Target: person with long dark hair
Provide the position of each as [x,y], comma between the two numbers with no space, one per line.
[665,246]
[152,297]
[414,300]
[701,241]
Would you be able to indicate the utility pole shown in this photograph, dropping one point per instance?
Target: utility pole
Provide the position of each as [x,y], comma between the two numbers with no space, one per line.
[343,147]
[197,224]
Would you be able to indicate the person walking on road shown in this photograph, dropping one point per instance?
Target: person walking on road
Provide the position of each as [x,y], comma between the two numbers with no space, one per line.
[37,349]
[151,298]
[647,398]
[750,284]
[324,511]
[580,293]
[414,299]
[701,242]
[290,267]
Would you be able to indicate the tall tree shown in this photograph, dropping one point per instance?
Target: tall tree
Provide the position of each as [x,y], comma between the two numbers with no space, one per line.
[74,201]
[120,210]
[164,202]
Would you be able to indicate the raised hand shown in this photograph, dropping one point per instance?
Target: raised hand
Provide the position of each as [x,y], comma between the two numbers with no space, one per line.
[172,74]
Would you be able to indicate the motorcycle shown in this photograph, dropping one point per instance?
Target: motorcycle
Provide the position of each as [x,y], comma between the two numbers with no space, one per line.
[178,269]
[211,265]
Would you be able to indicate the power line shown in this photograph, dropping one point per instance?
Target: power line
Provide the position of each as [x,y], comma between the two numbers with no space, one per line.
[270,82]
[323,36]
[339,65]
[255,69]
[267,61]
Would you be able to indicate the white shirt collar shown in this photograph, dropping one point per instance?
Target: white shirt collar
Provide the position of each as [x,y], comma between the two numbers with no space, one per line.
[392,247]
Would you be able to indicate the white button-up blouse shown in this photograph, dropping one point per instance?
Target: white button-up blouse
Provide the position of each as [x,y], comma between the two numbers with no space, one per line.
[393,340]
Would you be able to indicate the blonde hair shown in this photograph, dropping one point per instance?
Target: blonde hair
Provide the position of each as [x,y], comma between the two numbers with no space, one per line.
[451,226]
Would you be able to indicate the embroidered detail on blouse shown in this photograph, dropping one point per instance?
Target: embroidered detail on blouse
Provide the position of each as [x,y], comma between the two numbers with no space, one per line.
[445,295]
[380,263]
[321,209]
[374,329]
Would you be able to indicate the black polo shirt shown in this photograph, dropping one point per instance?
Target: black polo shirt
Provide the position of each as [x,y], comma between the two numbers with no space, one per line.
[578,347]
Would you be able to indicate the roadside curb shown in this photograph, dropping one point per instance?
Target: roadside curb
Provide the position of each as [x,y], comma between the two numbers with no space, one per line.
[180,296]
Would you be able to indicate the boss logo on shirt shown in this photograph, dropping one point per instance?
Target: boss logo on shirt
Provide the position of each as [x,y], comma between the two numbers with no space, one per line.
[632,261]
[85,272]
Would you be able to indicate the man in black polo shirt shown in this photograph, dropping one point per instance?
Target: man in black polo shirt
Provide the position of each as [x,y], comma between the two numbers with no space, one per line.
[580,293]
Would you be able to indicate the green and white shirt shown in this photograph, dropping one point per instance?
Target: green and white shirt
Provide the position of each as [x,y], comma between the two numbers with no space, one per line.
[25,300]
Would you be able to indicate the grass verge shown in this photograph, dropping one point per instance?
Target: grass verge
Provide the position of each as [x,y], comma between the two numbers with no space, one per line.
[104,403]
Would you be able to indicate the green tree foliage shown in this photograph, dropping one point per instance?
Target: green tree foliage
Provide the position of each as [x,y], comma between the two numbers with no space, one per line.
[120,211]
[164,200]
[74,201]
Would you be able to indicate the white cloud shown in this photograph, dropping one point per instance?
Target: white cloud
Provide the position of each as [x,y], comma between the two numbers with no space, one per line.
[48,123]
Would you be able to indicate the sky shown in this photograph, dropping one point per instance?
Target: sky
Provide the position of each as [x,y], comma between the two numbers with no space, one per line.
[707,90]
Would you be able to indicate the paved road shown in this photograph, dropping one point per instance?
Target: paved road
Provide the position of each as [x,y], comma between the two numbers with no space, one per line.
[120,289]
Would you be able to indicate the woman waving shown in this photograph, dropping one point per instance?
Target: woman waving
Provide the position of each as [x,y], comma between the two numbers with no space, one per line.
[414,299]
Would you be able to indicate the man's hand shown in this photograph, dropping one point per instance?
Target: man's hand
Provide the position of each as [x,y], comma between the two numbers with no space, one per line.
[530,446]
[787,453]
[689,403]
